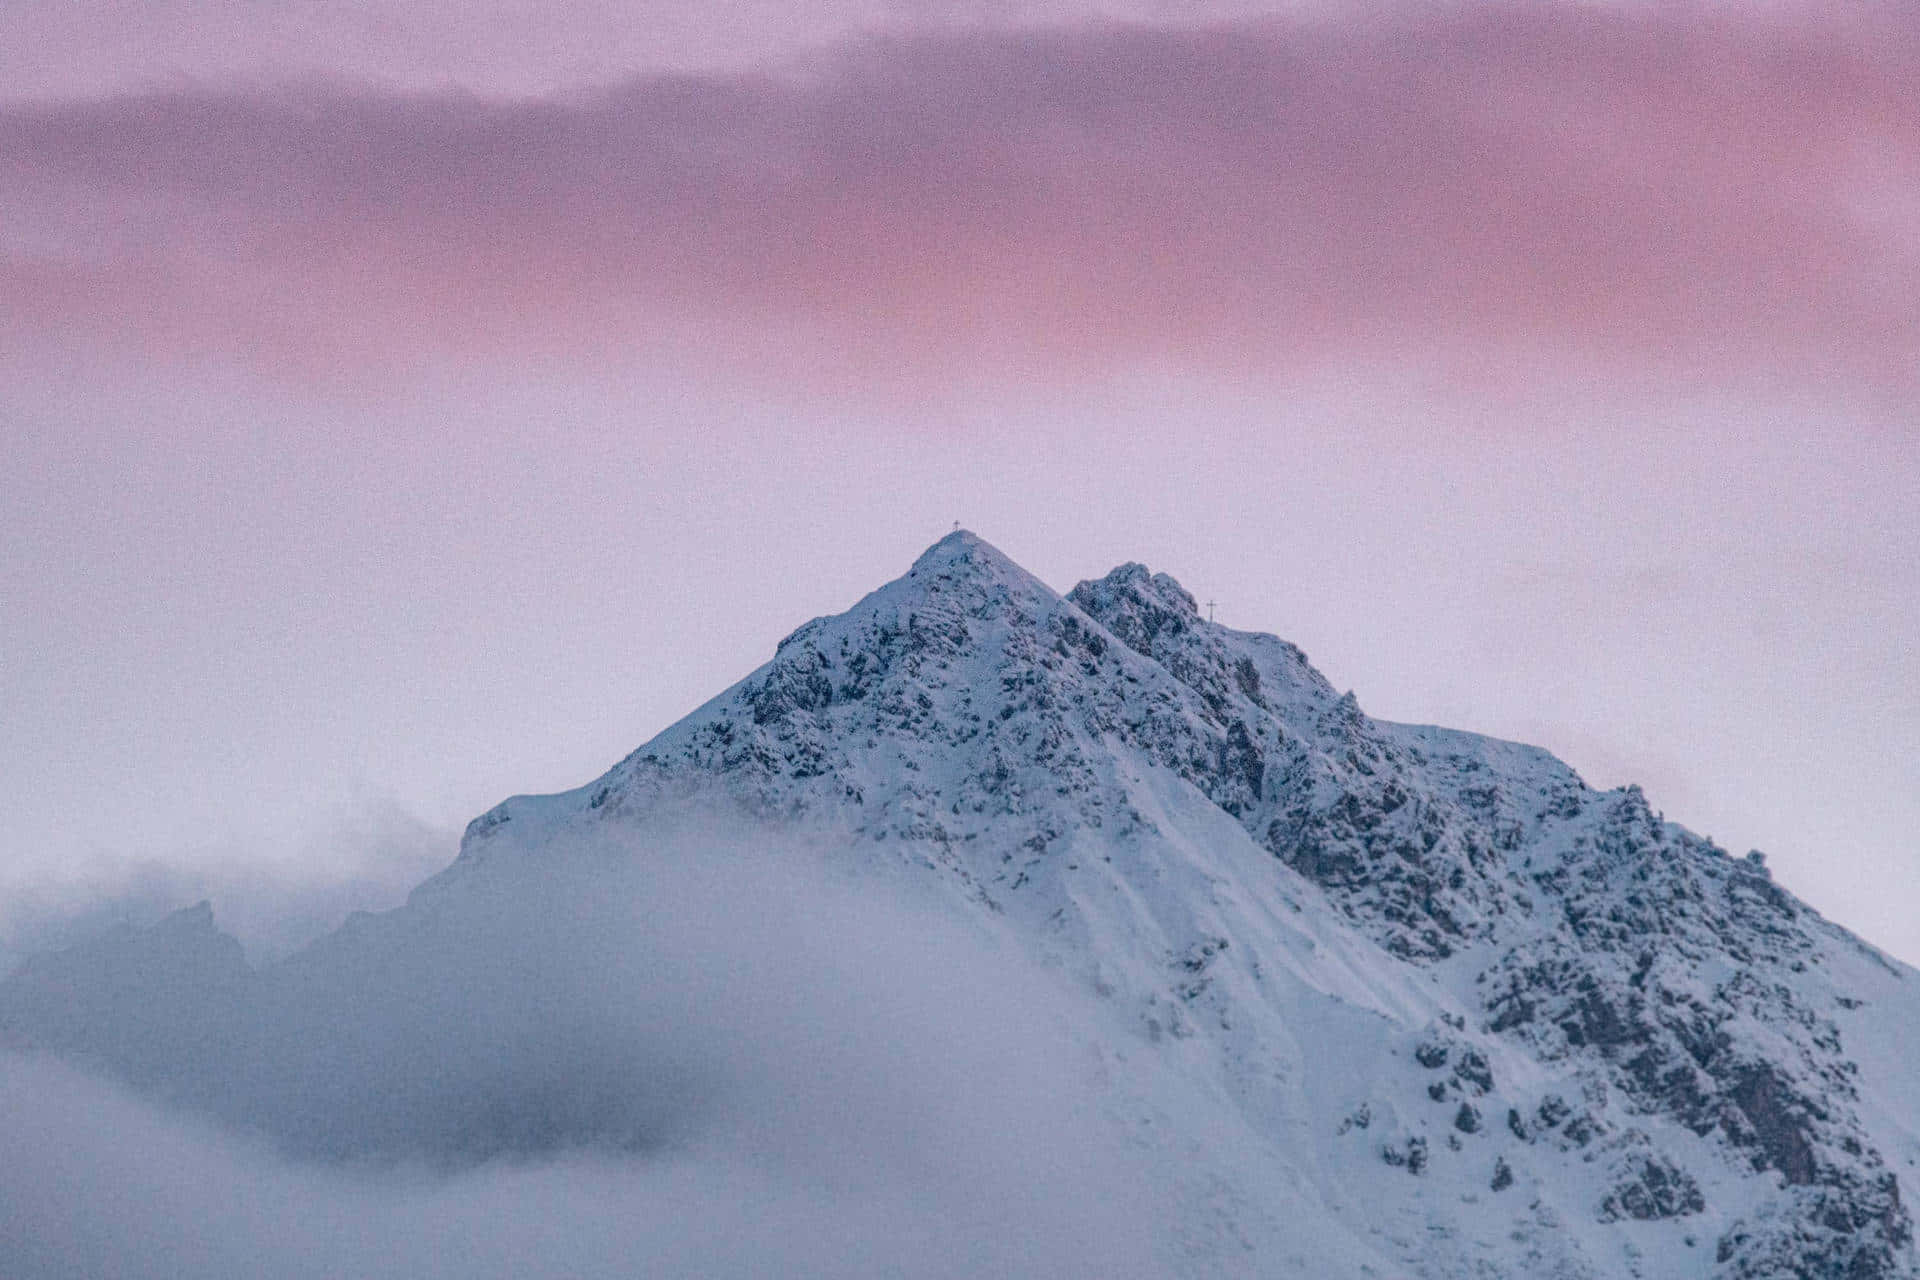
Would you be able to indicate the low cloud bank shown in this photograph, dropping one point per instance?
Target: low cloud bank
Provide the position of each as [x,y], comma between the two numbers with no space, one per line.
[274,895]
[99,1183]
[709,1059]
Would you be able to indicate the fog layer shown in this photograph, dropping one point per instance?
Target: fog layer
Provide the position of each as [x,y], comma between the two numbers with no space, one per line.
[710,1059]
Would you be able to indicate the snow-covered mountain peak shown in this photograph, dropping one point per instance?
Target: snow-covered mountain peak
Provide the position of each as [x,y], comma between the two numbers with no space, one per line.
[962,570]
[1133,589]
[961,551]
[961,575]
[1470,1015]
[1113,769]
[1152,614]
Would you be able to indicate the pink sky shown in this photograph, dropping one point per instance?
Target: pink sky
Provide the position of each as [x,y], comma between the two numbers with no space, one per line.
[1689,195]
[431,402]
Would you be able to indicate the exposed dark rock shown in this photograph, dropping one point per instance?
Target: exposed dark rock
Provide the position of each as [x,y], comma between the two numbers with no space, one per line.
[1777,1122]
[1472,1070]
[1652,1188]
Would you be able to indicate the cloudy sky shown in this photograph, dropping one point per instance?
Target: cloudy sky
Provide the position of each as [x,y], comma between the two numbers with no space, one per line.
[407,404]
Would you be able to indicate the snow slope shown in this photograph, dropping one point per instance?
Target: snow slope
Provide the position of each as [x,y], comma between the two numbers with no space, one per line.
[1368,998]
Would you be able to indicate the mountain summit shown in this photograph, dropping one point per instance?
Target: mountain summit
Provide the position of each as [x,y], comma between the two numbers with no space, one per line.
[1386,999]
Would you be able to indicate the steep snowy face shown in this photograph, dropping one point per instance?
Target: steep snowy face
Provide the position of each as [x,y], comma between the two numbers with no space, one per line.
[1595,934]
[1704,995]
[1351,805]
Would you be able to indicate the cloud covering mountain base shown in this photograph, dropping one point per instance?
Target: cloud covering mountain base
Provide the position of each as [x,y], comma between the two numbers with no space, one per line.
[713,1060]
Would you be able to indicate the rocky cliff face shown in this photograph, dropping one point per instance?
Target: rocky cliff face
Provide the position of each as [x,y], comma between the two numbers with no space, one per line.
[1485,1019]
